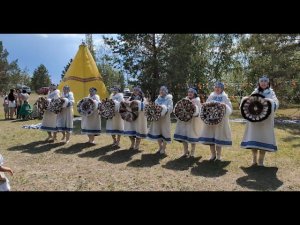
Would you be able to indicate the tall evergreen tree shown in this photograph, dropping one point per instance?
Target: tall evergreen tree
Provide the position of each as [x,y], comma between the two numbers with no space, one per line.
[66,69]
[4,67]
[90,43]
[40,78]
[276,55]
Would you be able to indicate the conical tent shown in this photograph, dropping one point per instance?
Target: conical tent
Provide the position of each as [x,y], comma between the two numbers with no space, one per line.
[82,75]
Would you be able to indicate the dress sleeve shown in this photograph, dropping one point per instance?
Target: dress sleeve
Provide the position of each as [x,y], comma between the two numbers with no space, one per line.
[121,98]
[274,98]
[228,105]
[97,98]
[170,105]
[209,99]
[71,98]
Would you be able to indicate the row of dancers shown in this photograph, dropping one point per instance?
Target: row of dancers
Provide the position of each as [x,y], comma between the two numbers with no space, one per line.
[258,136]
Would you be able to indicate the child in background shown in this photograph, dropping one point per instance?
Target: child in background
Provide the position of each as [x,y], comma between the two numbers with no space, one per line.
[5,107]
[11,103]
[4,182]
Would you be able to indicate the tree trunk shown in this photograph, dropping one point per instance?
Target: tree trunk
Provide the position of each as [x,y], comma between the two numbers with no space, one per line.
[155,76]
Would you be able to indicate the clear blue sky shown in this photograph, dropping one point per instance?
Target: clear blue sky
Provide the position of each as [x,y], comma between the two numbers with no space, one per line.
[52,50]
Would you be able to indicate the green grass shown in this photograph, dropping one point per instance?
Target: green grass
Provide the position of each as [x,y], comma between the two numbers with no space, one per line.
[41,166]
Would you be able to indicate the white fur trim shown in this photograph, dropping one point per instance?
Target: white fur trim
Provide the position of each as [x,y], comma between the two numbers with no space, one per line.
[196,113]
[222,94]
[169,96]
[119,95]
[140,105]
[65,103]
[117,105]
[164,110]
[1,160]
[228,110]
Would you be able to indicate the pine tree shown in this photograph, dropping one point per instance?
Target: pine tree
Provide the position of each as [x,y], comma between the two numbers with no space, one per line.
[90,43]
[4,67]
[40,78]
[66,69]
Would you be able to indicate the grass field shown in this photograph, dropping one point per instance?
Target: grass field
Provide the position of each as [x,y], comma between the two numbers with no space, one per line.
[77,166]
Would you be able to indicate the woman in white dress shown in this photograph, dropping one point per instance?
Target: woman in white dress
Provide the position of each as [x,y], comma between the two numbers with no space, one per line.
[49,118]
[189,132]
[115,126]
[65,117]
[217,135]
[91,125]
[260,135]
[160,130]
[137,130]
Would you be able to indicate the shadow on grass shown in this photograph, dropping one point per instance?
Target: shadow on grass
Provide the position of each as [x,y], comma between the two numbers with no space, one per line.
[120,156]
[98,152]
[290,138]
[260,178]
[73,149]
[36,147]
[296,146]
[4,120]
[293,129]
[147,160]
[210,169]
[181,163]
[44,148]
[31,145]
[19,120]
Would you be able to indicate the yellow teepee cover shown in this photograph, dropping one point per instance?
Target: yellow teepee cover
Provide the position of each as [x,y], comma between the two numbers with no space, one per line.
[82,75]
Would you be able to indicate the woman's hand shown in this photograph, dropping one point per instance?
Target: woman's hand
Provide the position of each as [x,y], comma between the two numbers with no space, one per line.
[10,171]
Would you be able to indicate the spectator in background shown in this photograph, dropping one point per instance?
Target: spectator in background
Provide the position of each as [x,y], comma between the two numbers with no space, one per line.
[25,110]
[5,105]
[18,98]
[24,96]
[12,103]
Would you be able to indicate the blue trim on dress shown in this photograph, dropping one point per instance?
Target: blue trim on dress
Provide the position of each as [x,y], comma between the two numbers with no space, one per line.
[254,144]
[48,128]
[64,129]
[178,137]
[90,131]
[134,133]
[114,132]
[214,141]
[158,137]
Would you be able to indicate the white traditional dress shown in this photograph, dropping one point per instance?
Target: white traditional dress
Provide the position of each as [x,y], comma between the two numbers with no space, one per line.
[219,134]
[260,135]
[49,118]
[65,117]
[4,186]
[137,128]
[189,131]
[115,126]
[91,125]
[161,129]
